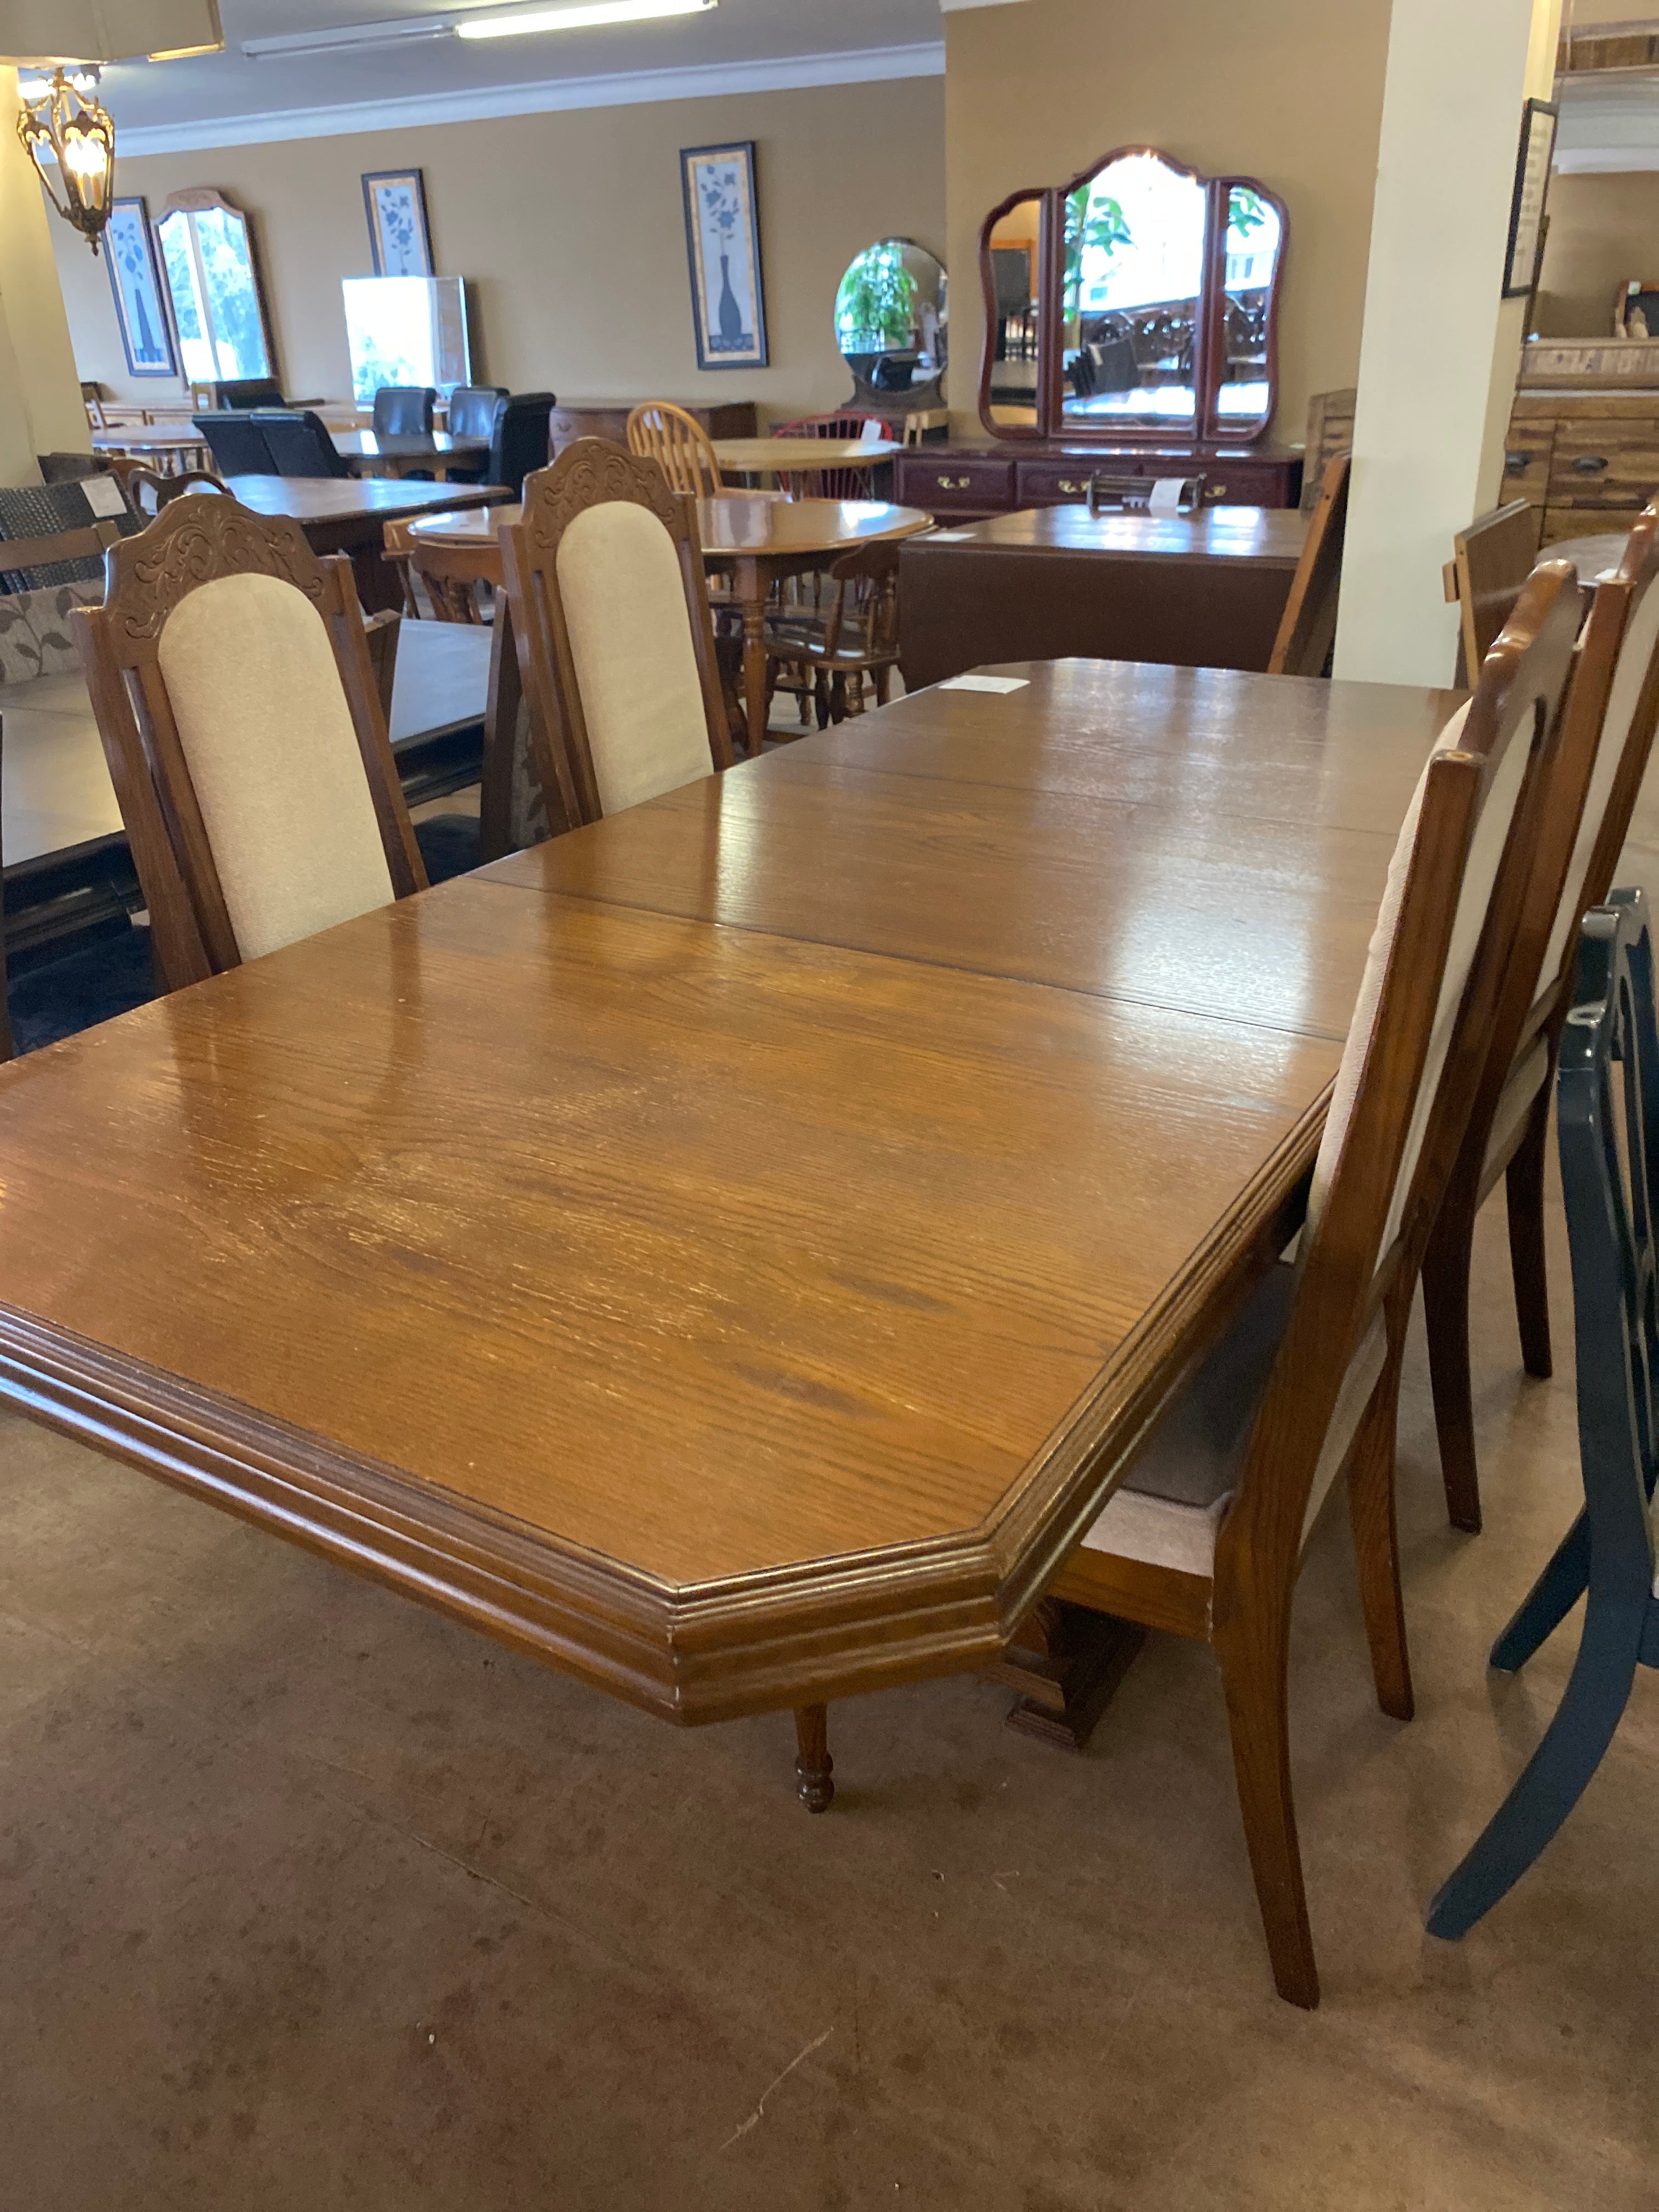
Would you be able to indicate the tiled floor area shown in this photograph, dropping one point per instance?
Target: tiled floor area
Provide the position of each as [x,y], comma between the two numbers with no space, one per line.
[308,1899]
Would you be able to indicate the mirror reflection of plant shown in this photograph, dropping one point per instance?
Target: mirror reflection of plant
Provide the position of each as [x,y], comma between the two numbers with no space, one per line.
[877,301]
[1246,211]
[1102,225]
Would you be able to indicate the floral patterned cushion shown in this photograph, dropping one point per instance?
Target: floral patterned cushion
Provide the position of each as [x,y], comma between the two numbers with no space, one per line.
[35,637]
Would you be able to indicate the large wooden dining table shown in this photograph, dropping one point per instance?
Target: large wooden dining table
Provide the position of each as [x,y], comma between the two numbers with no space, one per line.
[349,514]
[757,540]
[733,1250]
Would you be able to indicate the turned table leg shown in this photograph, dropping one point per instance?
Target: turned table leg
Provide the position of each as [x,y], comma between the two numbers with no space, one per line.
[813,1764]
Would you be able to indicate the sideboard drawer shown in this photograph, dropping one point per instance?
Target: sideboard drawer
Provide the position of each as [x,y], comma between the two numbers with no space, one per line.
[1607,464]
[1055,483]
[1233,482]
[958,481]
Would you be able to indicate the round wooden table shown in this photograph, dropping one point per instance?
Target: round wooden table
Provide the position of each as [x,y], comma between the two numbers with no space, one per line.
[757,540]
[755,457]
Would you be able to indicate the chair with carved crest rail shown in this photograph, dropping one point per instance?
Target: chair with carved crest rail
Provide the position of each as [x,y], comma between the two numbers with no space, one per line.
[240,718]
[1206,1534]
[659,431]
[1615,702]
[603,575]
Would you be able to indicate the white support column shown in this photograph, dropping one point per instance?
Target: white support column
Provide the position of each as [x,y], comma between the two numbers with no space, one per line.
[41,409]
[1440,348]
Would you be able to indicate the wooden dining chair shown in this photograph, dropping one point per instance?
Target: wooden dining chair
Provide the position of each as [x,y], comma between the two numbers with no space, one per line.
[448,578]
[1306,629]
[149,492]
[1609,1117]
[856,636]
[1206,1535]
[830,483]
[659,431]
[604,580]
[237,702]
[1610,715]
[5,1011]
[1491,560]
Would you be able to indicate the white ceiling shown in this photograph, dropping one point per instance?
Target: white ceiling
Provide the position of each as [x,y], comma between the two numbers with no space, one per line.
[224,97]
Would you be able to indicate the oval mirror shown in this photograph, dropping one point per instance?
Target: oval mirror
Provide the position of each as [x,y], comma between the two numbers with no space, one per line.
[891,312]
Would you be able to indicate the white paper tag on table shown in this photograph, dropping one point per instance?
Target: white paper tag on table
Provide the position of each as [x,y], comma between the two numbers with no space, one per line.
[873,431]
[104,495]
[1166,495]
[983,683]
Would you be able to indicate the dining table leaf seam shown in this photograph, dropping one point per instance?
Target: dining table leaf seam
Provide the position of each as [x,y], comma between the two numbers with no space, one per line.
[1108,997]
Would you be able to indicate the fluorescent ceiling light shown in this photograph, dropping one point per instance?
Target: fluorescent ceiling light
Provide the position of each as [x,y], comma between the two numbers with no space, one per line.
[580,18]
[291,46]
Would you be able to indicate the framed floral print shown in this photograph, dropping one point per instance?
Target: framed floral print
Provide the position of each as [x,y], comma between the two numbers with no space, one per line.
[722,244]
[396,203]
[136,281]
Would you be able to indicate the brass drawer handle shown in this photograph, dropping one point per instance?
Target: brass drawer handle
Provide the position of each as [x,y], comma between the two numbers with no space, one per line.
[956,483]
[1517,463]
[1589,464]
[1065,484]
[1214,492]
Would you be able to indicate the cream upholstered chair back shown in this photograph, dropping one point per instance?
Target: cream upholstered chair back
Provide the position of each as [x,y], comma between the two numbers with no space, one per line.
[268,739]
[603,575]
[659,431]
[242,722]
[1622,753]
[1503,728]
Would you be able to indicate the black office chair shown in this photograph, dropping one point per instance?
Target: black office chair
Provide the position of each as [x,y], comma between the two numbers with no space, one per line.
[404,410]
[249,391]
[518,440]
[299,445]
[472,408]
[237,444]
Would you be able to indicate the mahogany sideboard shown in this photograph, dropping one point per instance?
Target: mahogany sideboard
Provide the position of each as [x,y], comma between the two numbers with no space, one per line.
[965,483]
[1201,591]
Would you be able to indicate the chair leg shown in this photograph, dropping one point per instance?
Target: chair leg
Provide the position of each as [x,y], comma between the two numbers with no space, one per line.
[1446,1310]
[1555,1775]
[884,683]
[1548,1603]
[1254,1676]
[1377,1546]
[820,697]
[1523,1191]
[813,1764]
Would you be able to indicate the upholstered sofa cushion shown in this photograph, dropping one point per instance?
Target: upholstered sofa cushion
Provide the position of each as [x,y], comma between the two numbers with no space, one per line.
[35,637]
[636,668]
[273,756]
[47,511]
[1170,1510]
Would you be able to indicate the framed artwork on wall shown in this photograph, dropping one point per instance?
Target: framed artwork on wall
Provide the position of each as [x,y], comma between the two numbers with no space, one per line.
[395,200]
[1532,184]
[722,245]
[135,278]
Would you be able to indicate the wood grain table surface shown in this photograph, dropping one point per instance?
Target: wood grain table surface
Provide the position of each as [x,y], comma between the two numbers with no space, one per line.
[733,1250]
[1590,556]
[764,456]
[1267,536]
[378,452]
[754,540]
[349,514]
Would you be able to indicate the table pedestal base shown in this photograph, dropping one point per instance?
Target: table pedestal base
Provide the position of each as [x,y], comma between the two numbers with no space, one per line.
[1068,1662]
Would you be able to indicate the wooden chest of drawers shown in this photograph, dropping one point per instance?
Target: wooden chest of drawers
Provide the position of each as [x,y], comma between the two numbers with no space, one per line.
[1583,459]
[967,484]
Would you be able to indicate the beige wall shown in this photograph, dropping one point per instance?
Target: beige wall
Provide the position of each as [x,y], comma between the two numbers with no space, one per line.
[1289,91]
[40,410]
[570,229]
[1603,228]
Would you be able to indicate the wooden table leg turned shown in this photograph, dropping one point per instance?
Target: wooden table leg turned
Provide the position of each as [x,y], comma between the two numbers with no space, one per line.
[813,1764]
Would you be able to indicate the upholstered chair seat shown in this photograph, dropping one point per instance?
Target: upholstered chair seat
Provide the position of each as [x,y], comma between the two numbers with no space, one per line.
[1171,1503]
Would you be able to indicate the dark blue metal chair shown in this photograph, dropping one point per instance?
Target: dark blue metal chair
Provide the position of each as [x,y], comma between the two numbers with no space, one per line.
[1609,1138]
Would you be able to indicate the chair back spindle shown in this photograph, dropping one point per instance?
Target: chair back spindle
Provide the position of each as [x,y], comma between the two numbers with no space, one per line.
[660,432]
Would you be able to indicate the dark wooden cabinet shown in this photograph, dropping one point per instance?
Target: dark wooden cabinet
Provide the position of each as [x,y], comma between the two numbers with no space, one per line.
[1585,460]
[965,483]
[608,418]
